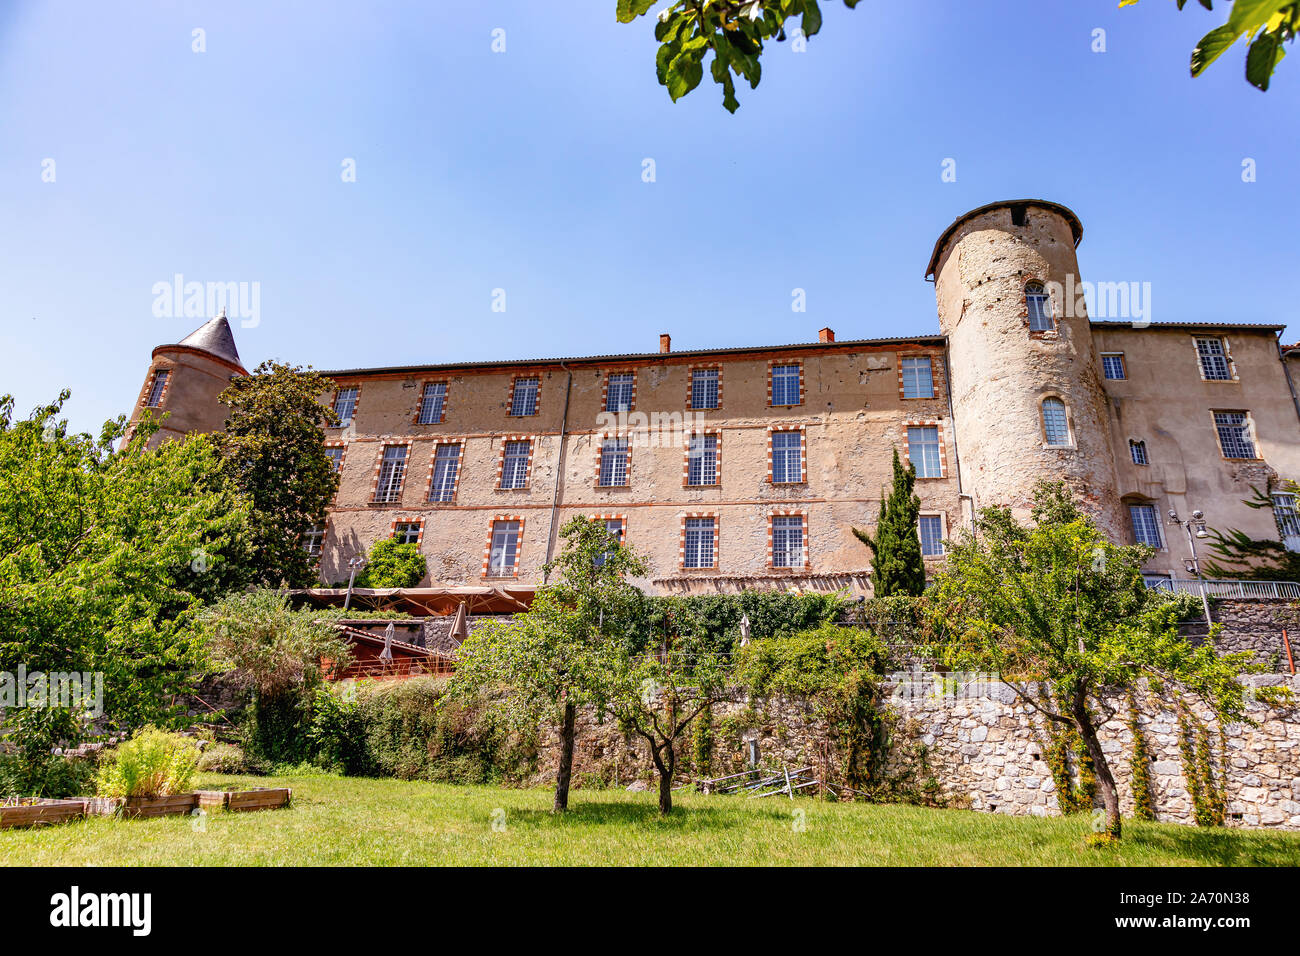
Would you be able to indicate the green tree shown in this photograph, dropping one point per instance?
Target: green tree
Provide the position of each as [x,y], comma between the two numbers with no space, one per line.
[274,453]
[896,563]
[1266,558]
[104,558]
[393,565]
[1267,24]
[561,653]
[1058,607]
[734,30]
[285,653]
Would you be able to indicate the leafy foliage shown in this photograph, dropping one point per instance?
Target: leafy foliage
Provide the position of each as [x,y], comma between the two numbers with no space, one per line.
[105,557]
[896,564]
[393,565]
[1266,23]
[1057,604]
[734,30]
[273,452]
[153,763]
[1262,557]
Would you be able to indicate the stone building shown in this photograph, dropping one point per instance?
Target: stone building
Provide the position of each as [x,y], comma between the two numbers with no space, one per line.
[748,467]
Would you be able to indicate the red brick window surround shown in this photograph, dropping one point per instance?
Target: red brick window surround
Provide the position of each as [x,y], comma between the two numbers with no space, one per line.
[616,524]
[613,462]
[702,463]
[155,391]
[390,472]
[784,383]
[346,401]
[787,455]
[407,530]
[432,409]
[444,471]
[698,550]
[929,462]
[622,397]
[916,376]
[525,397]
[787,541]
[704,390]
[504,545]
[515,465]
[337,452]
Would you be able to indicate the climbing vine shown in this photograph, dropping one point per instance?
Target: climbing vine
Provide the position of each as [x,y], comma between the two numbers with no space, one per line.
[702,742]
[1143,797]
[1071,766]
[1204,781]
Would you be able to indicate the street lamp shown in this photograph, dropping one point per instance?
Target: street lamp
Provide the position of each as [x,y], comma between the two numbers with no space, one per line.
[355,564]
[1195,528]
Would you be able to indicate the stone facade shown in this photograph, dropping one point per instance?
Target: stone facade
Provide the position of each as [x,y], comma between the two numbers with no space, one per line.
[992,371]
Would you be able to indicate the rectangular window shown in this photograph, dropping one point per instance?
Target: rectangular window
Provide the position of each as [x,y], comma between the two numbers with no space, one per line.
[345,403]
[699,542]
[446,466]
[504,549]
[787,541]
[615,527]
[704,388]
[313,540]
[1112,365]
[1039,304]
[1056,424]
[1288,519]
[613,462]
[392,469]
[523,398]
[918,378]
[335,455]
[923,450]
[407,532]
[1214,359]
[159,385]
[930,528]
[702,460]
[618,392]
[514,466]
[1234,434]
[1146,524]
[785,385]
[1138,449]
[431,402]
[787,454]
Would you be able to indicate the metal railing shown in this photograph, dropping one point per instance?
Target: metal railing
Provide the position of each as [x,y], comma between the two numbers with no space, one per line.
[1228,589]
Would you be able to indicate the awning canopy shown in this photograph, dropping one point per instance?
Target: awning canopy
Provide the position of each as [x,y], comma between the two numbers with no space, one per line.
[427,602]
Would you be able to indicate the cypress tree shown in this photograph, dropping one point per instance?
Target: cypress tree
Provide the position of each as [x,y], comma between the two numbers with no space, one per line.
[896,565]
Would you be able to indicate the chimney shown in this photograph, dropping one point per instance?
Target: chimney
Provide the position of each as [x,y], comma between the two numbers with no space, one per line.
[826,335]
[665,342]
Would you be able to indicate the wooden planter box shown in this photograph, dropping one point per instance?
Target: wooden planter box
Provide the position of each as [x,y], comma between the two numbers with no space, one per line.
[238,800]
[177,804]
[39,811]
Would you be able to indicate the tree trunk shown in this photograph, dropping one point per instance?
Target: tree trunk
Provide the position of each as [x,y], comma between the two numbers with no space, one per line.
[1105,782]
[665,770]
[565,772]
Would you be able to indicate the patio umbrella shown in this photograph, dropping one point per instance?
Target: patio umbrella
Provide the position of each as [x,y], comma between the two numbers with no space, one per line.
[744,630]
[460,625]
[387,653]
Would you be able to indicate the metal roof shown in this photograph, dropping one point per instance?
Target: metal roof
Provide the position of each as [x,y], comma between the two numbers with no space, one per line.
[1076,227]
[847,345]
[1115,324]
[215,338]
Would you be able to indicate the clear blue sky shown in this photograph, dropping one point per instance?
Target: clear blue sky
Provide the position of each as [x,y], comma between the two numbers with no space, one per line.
[522,170]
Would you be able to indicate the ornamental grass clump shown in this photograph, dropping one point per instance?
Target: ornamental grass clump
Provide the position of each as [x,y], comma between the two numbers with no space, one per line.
[154,763]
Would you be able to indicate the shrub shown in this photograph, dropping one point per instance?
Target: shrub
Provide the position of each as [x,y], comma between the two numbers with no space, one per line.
[393,565]
[57,778]
[223,758]
[154,763]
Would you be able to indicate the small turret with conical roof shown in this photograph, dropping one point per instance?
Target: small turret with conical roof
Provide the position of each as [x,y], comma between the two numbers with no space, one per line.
[185,380]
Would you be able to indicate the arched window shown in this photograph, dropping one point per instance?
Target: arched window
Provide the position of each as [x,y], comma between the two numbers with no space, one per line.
[1039,304]
[1056,427]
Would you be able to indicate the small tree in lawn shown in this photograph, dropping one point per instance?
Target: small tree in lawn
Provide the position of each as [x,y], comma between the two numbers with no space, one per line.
[561,653]
[659,691]
[1059,606]
[896,564]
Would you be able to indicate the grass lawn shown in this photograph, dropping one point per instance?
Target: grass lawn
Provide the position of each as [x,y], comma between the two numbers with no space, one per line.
[390,822]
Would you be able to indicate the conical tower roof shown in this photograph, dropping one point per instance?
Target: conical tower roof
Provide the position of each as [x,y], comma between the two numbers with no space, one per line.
[215,338]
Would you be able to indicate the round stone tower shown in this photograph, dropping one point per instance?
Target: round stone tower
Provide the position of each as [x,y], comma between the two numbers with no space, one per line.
[185,379]
[1027,395]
